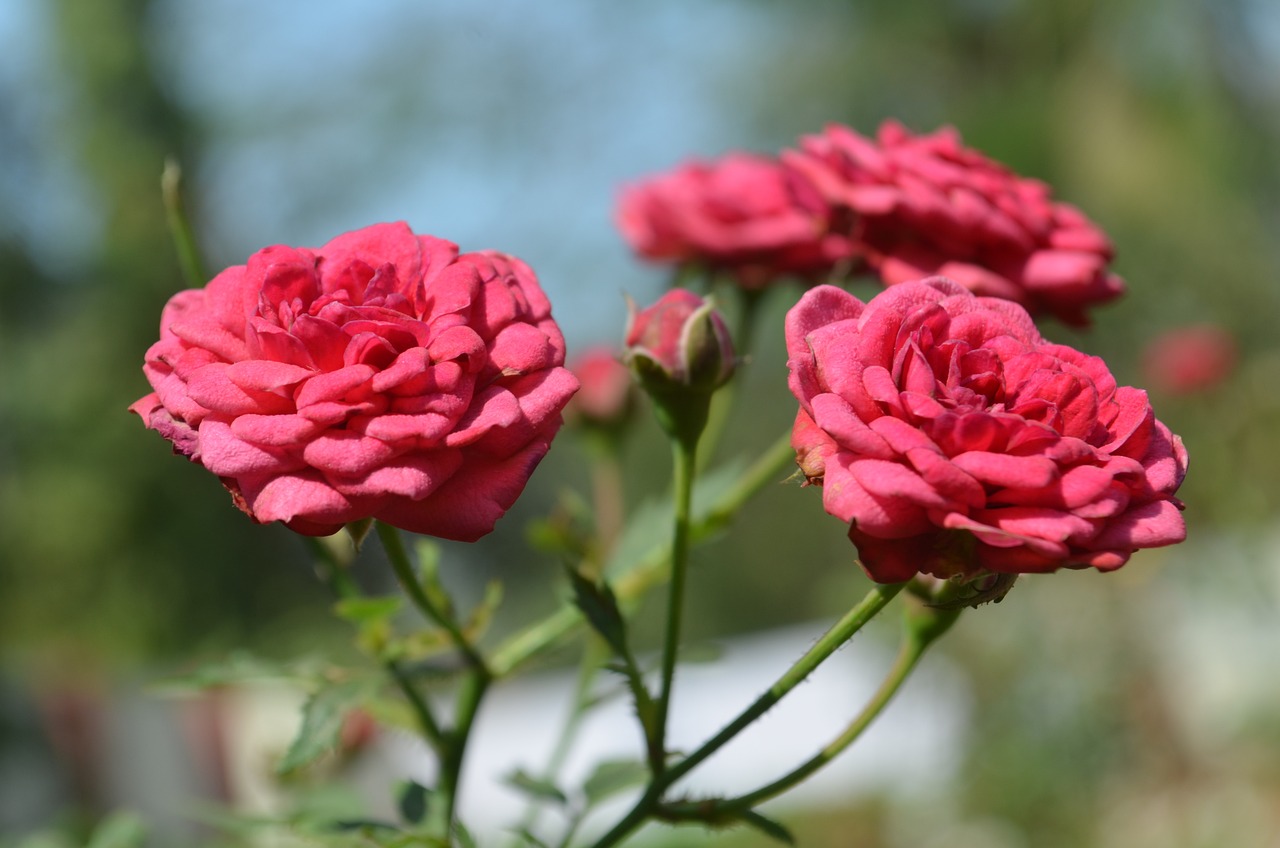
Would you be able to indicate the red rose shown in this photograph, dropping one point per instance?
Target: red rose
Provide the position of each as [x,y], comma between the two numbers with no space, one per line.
[382,375]
[1191,359]
[605,394]
[743,214]
[954,439]
[926,204]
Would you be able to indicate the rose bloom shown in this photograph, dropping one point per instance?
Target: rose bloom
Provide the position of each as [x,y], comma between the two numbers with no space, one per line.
[606,393]
[957,441]
[925,204]
[1186,360]
[742,213]
[382,375]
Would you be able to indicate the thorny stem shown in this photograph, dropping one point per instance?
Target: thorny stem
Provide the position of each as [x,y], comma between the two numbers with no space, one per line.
[470,694]
[839,633]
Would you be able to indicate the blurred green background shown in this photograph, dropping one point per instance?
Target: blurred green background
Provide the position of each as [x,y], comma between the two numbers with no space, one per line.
[1140,708]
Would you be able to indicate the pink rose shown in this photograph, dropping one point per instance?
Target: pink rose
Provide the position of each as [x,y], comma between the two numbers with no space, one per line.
[382,375]
[1191,359]
[957,441]
[605,396]
[926,205]
[743,214]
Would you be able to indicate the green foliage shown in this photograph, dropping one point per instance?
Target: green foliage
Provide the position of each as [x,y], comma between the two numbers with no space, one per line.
[322,718]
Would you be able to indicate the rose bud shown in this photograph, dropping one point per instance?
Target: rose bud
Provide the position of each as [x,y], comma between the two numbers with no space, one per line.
[680,341]
[681,351]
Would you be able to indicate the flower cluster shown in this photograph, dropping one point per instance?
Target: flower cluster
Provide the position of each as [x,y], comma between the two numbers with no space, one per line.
[382,375]
[904,206]
[923,205]
[957,441]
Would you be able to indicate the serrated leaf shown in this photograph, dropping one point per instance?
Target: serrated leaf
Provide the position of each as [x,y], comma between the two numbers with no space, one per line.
[413,802]
[322,718]
[600,607]
[613,776]
[767,826]
[119,830]
[536,787]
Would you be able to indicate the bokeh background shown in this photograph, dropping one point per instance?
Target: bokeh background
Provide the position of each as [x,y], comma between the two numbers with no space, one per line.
[1140,708]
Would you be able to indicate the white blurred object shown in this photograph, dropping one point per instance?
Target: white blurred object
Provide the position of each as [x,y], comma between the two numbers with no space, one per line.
[914,747]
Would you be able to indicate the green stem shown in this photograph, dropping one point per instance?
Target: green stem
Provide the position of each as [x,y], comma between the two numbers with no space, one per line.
[184,239]
[923,628]
[472,692]
[839,633]
[403,568]
[650,568]
[685,454]
[340,583]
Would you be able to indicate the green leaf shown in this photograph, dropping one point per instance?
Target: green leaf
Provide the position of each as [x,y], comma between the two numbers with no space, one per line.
[480,618]
[427,553]
[536,787]
[368,610]
[613,776]
[767,826]
[322,718]
[600,607]
[119,830]
[413,802]
[241,667]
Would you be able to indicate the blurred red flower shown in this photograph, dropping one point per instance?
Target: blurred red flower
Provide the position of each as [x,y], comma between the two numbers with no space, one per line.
[925,204]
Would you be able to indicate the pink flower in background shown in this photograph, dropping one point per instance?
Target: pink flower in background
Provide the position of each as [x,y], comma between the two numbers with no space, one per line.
[1190,359]
[956,441]
[382,375]
[925,204]
[605,396]
[743,214]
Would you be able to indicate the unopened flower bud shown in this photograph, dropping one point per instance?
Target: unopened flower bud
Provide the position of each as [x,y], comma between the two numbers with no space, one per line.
[680,342]
[680,350]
